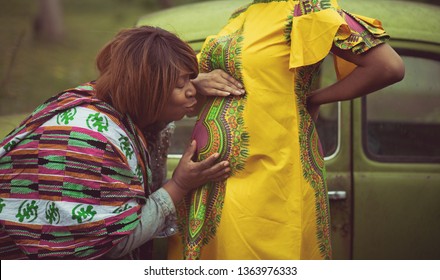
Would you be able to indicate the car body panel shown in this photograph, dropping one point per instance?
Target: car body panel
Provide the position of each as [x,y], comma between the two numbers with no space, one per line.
[189,21]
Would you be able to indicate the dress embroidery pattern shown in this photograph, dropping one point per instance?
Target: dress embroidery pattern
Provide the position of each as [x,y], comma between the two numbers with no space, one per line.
[223,122]
[311,6]
[312,158]
[364,35]
[221,53]
[219,129]
[239,11]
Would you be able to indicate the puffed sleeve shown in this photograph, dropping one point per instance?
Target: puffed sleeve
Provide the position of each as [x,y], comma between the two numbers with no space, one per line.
[317,25]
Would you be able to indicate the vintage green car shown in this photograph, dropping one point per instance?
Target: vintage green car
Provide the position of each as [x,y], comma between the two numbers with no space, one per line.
[382,151]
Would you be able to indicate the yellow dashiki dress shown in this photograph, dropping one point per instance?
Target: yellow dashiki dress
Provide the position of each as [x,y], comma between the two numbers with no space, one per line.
[275,204]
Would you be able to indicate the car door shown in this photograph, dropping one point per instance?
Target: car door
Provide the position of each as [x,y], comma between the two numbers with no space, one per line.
[396,164]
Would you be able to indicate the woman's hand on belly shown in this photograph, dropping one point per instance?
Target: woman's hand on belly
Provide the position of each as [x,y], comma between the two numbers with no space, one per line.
[189,174]
[217,83]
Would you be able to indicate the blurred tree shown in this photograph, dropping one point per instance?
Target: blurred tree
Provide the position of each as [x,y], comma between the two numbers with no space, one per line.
[48,24]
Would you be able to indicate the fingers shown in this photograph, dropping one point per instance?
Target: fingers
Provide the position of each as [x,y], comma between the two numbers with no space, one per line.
[224,89]
[209,162]
[190,174]
[227,87]
[231,85]
[226,84]
[312,108]
[212,170]
[189,152]
[218,171]
[220,92]
[231,81]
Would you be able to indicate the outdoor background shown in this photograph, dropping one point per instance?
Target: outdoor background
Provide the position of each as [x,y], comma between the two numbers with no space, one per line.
[47,46]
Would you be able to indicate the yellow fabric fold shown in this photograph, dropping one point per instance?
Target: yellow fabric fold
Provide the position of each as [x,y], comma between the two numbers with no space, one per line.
[342,67]
[312,36]
[357,42]
[371,21]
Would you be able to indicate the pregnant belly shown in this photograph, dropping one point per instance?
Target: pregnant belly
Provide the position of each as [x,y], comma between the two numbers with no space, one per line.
[220,129]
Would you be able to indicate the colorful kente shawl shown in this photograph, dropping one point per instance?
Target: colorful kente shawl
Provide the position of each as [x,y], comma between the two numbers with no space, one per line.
[275,204]
[71,179]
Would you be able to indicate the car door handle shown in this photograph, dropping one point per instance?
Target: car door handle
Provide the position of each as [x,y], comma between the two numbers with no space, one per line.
[337,195]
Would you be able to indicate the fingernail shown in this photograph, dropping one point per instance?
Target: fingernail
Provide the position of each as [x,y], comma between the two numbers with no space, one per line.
[240,85]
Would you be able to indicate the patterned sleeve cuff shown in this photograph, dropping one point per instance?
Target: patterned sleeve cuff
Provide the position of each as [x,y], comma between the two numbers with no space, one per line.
[162,198]
[165,202]
[315,28]
[363,33]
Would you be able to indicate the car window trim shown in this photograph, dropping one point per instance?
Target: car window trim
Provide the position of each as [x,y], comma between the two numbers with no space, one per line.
[397,159]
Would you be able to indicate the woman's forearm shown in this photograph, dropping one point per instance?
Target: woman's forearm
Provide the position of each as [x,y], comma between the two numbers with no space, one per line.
[153,220]
[376,69]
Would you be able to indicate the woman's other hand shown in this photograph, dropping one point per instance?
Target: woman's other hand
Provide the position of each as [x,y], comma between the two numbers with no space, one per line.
[189,174]
[217,83]
[313,110]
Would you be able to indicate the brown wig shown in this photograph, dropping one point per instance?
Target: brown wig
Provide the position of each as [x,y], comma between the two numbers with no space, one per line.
[139,70]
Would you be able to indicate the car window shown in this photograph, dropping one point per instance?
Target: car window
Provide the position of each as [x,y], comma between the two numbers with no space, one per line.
[402,122]
[328,121]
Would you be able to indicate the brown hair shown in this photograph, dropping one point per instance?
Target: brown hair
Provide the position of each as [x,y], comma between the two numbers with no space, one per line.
[140,68]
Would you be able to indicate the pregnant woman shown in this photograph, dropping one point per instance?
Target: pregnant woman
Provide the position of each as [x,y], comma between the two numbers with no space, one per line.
[275,205]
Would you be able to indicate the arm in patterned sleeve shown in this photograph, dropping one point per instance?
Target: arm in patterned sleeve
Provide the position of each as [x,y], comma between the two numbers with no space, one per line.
[157,218]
